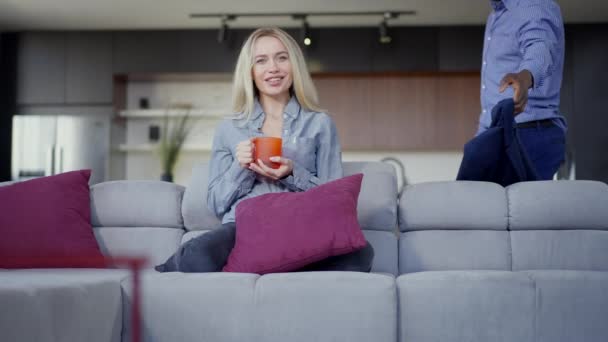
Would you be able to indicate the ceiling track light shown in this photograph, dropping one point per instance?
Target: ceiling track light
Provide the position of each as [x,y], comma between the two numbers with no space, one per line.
[306,33]
[383,31]
[386,14]
[222,34]
[305,30]
[385,38]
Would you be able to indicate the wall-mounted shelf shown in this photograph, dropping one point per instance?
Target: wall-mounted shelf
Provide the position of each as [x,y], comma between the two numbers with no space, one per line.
[154,147]
[159,113]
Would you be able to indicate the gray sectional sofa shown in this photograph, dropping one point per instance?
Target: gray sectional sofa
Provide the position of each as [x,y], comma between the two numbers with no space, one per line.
[455,261]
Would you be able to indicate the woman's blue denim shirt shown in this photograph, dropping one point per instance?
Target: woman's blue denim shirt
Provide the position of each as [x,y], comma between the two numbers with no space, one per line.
[310,140]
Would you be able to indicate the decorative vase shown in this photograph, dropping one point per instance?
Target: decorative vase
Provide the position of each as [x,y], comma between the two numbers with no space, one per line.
[166,177]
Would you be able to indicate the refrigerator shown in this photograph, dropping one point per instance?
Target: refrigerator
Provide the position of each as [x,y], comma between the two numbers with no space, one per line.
[45,145]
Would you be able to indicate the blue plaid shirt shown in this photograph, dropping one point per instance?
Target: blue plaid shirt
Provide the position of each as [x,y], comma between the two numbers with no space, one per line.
[523,34]
[310,140]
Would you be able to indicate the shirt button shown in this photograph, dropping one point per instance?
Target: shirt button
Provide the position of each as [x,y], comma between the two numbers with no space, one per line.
[284,116]
[484,63]
[483,86]
[485,111]
[489,38]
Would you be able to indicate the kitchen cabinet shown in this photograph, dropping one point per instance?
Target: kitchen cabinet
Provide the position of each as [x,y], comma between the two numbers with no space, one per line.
[89,68]
[41,65]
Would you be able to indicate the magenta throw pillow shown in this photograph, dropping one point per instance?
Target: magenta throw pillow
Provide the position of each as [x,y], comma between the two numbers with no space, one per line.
[282,232]
[46,217]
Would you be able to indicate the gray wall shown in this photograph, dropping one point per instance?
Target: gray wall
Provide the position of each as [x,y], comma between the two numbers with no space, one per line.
[75,69]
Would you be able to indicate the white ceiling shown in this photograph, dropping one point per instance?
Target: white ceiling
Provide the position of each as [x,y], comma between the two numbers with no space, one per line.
[174,14]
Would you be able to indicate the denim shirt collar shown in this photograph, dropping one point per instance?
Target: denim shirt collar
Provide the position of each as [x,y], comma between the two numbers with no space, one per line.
[498,5]
[292,110]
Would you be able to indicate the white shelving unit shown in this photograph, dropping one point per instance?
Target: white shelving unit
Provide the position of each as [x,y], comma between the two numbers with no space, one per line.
[208,96]
[150,116]
[160,113]
[145,148]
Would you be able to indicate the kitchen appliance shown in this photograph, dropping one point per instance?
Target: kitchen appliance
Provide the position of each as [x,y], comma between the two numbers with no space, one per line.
[45,145]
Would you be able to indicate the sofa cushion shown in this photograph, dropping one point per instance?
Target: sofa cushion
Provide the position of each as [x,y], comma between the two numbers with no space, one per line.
[189,307]
[222,307]
[443,250]
[474,306]
[558,205]
[572,305]
[385,246]
[194,209]
[47,217]
[280,232]
[377,207]
[153,243]
[453,205]
[560,249]
[136,204]
[58,305]
[326,306]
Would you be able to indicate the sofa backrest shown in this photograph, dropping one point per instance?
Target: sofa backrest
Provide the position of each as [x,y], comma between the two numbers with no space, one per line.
[377,211]
[478,225]
[137,218]
[559,225]
[194,208]
[453,226]
[377,208]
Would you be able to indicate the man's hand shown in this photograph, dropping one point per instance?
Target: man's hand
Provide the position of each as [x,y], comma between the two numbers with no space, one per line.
[283,171]
[521,82]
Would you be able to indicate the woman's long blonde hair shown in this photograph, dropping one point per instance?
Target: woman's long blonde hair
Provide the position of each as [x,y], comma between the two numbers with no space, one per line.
[243,87]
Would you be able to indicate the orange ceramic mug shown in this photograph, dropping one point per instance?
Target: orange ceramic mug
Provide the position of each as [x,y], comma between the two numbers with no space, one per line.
[266,147]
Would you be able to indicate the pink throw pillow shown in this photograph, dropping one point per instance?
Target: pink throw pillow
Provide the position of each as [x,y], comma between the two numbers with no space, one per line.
[47,217]
[282,232]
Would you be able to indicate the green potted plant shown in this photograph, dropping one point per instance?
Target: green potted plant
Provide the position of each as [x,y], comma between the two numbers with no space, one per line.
[174,132]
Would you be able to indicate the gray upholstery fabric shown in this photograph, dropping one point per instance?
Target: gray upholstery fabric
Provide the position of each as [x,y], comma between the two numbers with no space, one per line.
[558,205]
[194,307]
[156,244]
[377,207]
[472,306]
[385,246]
[564,249]
[61,305]
[571,306]
[315,306]
[194,208]
[454,250]
[325,306]
[136,204]
[453,205]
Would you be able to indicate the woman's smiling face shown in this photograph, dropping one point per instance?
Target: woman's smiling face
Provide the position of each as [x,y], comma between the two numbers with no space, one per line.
[271,67]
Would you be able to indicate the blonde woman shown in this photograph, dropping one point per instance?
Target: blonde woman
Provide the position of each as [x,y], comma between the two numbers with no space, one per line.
[273,95]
